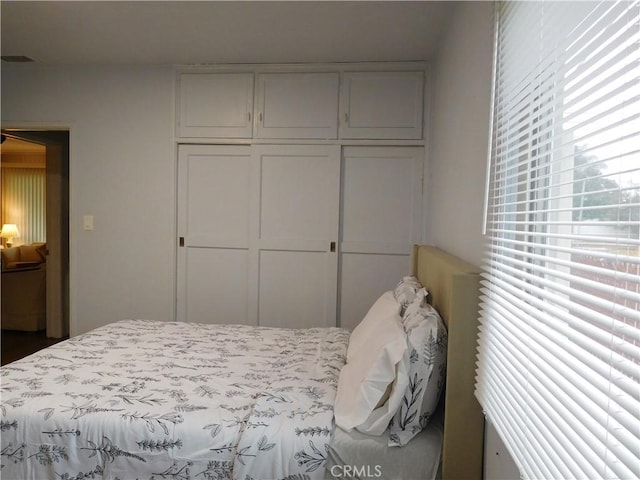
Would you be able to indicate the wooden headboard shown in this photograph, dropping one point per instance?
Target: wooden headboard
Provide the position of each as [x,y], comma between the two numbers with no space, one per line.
[454,288]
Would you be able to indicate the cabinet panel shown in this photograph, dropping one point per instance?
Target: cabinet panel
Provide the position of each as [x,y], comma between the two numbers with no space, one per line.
[294,289]
[382,105]
[298,105]
[294,203]
[215,105]
[377,194]
[217,194]
[381,198]
[216,286]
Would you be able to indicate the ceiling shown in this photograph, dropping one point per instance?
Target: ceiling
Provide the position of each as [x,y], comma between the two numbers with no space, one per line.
[220,32]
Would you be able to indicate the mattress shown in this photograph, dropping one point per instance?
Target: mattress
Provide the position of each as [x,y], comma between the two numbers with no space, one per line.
[146,399]
[358,456]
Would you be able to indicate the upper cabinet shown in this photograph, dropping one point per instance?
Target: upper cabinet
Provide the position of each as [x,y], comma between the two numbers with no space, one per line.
[297,105]
[381,105]
[215,105]
[266,103]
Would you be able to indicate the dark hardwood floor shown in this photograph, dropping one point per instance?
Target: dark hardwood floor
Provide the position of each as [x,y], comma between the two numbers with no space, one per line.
[16,345]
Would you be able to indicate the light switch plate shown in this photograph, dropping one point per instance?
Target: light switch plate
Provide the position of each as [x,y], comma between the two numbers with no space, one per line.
[87,222]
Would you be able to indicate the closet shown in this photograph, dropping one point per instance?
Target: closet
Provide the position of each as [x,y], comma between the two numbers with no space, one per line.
[298,199]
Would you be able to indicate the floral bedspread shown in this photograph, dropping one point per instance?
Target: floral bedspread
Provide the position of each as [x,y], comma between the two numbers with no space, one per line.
[141,399]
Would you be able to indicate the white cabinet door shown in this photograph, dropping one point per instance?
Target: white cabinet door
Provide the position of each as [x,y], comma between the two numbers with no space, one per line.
[215,105]
[381,221]
[214,215]
[382,105]
[297,105]
[298,192]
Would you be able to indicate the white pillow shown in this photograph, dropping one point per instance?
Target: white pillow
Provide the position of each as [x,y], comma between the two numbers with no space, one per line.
[427,349]
[367,375]
[378,420]
[385,309]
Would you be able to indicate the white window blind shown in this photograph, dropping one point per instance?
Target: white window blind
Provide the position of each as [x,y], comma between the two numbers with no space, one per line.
[559,345]
[23,195]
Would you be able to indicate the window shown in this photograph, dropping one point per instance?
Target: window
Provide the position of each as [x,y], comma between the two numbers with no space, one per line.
[559,344]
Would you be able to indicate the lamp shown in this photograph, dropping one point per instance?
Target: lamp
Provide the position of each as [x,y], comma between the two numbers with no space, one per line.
[9,230]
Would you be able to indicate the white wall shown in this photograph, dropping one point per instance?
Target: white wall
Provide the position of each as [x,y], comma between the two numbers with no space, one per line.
[122,171]
[459,132]
[457,160]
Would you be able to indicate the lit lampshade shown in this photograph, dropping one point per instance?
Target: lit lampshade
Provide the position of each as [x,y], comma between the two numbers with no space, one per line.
[9,231]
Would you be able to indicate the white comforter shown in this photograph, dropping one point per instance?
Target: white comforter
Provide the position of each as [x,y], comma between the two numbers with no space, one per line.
[142,399]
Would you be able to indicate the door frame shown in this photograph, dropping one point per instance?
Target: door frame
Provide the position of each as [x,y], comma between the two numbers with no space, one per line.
[57,143]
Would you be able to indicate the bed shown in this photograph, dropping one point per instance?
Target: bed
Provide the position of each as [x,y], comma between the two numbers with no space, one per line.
[149,400]
[451,446]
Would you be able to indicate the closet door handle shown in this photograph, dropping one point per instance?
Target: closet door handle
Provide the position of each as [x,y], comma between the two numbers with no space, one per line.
[249,117]
[181,241]
[332,247]
[260,117]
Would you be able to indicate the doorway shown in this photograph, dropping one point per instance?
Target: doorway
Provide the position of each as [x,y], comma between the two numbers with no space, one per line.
[56,251]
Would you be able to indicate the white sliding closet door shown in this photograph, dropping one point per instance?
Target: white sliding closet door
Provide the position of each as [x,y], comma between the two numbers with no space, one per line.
[214,218]
[297,194]
[293,235]
[381,221]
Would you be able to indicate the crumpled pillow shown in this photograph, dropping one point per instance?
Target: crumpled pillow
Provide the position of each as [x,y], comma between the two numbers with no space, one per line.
[406,291]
